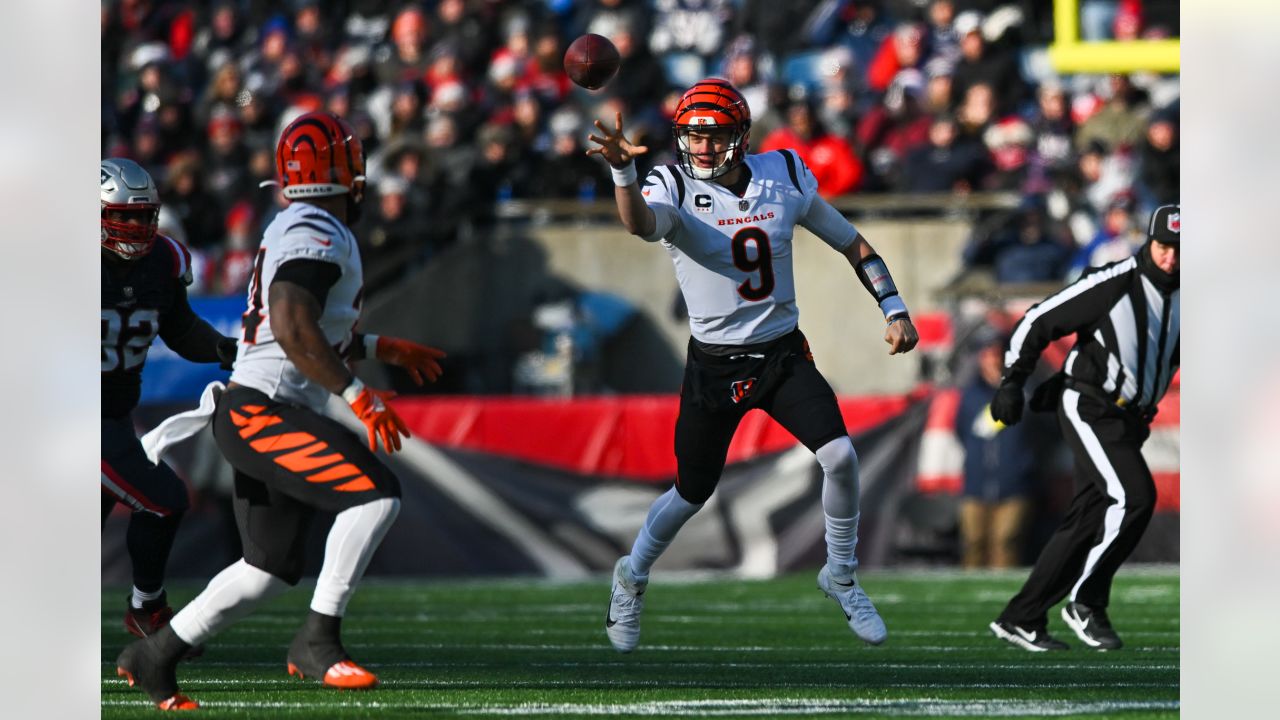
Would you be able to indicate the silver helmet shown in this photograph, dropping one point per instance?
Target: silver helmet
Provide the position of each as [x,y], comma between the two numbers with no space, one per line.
[130,208]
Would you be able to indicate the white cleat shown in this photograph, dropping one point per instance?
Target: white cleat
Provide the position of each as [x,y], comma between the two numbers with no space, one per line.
[863,619]
[626,600]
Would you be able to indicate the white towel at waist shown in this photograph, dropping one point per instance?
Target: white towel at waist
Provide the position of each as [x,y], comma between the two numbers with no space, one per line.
[183,425]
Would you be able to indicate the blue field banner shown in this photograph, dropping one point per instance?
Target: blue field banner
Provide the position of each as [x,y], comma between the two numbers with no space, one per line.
[168,378]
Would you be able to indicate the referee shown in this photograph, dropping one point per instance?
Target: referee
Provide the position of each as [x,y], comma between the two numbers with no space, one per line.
[1127,322]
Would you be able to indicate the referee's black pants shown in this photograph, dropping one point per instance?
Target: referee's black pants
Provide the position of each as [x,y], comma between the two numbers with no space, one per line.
[1115,497]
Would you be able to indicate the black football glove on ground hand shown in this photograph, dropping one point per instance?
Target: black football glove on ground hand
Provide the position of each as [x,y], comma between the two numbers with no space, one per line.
[1006,406]
[226,350]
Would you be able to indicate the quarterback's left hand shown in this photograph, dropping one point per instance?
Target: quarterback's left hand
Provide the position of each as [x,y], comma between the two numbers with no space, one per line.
[418,359]
[901,335]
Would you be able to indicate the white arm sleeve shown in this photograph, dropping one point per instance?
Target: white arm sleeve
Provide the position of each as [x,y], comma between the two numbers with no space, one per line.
[667,222]
[828,224]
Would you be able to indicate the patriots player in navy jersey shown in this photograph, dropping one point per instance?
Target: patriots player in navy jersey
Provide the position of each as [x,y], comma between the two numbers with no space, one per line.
[144,294]
[727,220]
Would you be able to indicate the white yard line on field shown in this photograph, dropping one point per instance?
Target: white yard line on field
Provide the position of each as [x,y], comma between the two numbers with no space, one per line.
[769,707]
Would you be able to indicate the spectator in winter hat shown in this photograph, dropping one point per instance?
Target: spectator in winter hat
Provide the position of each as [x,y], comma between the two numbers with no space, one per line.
[407,110]
[742,69]
[226,173]
[641,77]
[544,72]
[395,232]
[220,94]
[1008,142]
[566,171]
[893,129]
[1120,122]
[1105,174]
[937,90]
[234,267]
[222,37]
[975,113]
[900,51]
[944,39]
[1053,128]
[461,27]
[1159,163]
[943,165]
[405,57]
[984,64]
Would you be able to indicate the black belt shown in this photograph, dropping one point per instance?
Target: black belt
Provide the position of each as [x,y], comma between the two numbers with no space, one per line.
[1110,398]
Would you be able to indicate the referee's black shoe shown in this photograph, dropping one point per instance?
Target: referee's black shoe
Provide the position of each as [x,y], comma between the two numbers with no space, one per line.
[1091,626]
[1031,640]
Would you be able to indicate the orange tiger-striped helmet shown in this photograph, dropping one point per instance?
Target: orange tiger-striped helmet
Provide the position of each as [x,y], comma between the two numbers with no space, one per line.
[319,155]
[712,104]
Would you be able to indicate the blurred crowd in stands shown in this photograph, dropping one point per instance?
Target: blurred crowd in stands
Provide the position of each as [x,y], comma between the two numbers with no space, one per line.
[463,104]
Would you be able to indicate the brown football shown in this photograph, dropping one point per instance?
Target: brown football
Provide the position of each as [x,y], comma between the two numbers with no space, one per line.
[591,61]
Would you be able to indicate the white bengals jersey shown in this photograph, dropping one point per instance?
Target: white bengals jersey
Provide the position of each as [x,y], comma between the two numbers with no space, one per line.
[300,232]
[733,254]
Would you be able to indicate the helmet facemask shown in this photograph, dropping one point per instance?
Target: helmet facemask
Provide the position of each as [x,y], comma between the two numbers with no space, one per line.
[127,239]
[734,153]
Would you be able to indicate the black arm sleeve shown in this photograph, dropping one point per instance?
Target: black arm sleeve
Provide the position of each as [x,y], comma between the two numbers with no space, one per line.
[1069,310]
[188,334]
[314,276]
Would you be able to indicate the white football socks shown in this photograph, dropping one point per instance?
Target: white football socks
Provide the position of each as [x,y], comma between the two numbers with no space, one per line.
[840,506]
[666,516]
[355,535]
[140,597]
[230,595]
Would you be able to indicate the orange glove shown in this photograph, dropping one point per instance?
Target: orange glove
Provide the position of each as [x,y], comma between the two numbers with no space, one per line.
[417,359]
[372,409]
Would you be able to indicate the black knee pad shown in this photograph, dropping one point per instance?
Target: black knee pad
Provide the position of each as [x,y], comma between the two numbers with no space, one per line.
[696,487]
[388,484]
[288,569]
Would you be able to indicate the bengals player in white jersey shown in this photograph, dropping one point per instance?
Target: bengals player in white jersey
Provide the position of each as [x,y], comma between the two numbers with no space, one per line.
[727,219]
[290,459]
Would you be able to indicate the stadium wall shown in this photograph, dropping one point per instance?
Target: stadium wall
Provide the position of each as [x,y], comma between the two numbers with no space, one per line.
[843,324]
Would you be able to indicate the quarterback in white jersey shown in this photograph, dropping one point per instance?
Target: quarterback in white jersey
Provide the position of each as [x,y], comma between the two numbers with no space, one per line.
[732,253]
[290,459]
[728,219]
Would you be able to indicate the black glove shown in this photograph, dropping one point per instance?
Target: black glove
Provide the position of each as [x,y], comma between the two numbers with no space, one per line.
[1006,406]
[226,350]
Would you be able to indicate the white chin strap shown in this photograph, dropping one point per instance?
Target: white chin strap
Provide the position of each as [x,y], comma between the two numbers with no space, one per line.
[127,251]
[702,173]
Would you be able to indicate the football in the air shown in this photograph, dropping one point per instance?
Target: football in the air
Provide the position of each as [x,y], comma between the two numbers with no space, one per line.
[591,61]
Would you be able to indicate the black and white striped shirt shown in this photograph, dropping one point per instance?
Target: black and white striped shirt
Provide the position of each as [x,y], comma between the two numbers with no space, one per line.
[1127,318]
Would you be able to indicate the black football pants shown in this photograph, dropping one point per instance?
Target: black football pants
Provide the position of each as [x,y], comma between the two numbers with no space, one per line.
[1115,497]
[153,492]
[289,463]
[717,392]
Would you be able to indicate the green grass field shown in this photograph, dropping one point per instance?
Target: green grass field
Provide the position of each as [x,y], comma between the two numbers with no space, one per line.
[709,648]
